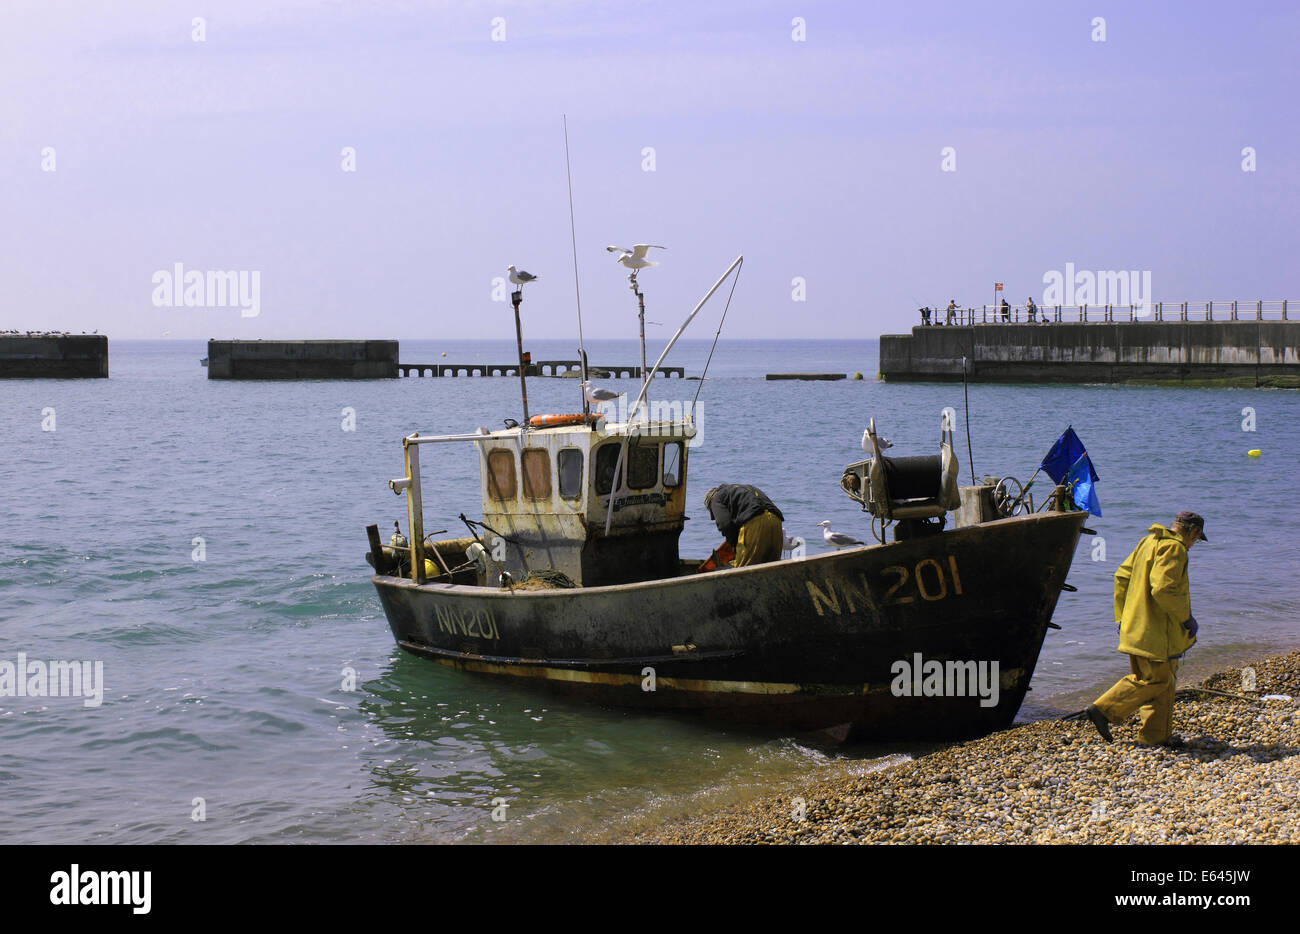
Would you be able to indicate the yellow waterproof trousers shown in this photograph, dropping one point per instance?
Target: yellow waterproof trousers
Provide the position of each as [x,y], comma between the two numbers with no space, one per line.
[759,541]
[1150,689]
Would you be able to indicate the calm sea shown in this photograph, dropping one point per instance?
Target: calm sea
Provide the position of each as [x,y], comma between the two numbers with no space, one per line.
[224,677]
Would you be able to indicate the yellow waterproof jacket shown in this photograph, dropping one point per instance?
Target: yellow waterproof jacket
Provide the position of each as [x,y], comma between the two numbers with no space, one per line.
[1152,599]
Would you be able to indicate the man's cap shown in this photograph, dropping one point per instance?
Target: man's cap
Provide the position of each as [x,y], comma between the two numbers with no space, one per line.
[708,497]
[1193,521]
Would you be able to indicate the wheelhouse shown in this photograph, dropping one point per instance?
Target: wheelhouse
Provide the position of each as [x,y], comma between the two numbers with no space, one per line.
[602,504]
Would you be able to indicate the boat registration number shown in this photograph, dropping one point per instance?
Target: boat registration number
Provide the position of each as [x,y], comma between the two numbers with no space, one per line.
[929,579]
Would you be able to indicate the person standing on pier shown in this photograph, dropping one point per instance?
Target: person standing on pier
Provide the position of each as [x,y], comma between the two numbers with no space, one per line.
[952,311]
[925,316]
[1031,309]
[748,520]
[1156,627]
[1006,311]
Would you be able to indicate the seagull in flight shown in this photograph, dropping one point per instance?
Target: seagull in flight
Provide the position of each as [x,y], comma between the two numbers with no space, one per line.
[518,276]
[837,540]
[634,258]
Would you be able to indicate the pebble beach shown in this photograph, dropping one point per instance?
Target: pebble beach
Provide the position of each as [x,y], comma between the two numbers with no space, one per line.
[1057,781]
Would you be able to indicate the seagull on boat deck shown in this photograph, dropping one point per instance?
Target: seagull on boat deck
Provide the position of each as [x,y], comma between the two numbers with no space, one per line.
[837,540]
[597,396]
[885,443]
[634,258]
[518,276]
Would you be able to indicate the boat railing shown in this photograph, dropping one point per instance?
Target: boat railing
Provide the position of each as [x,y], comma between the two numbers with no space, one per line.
[410,485]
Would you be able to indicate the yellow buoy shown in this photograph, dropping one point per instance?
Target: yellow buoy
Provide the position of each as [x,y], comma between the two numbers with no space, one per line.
[1253,453]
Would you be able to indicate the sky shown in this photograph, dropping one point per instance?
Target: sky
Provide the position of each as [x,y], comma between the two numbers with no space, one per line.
[378,164]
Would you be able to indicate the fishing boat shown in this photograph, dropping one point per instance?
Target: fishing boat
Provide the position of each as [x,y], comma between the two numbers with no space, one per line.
[572,580]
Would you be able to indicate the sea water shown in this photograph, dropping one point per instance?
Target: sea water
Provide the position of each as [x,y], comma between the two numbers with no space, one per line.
[203,541]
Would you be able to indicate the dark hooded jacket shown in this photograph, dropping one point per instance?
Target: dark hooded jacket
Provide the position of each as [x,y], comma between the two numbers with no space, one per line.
[734,504]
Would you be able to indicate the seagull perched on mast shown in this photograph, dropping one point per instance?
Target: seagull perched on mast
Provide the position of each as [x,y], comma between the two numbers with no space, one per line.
[634,258]
[837,540]
[518,276]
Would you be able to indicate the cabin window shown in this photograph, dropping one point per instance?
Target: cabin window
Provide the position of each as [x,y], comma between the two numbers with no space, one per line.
[501,475]
[537,473]
[606,459]
[570,470]
[672,464]
[642,466]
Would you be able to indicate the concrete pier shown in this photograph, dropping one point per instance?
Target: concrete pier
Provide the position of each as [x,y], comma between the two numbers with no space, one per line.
[807,376]
[1244,353]
[538,368]
[54,356]
[302,359]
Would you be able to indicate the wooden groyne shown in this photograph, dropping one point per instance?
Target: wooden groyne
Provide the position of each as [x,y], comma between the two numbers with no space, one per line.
[344,359]
[1245,353]
[53,356]
[539,368]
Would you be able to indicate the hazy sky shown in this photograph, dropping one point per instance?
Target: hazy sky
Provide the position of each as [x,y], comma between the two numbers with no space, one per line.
[820,159]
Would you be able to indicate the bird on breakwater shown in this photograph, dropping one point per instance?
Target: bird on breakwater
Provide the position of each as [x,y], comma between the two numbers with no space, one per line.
[837,539]
[519,277]
[635,257]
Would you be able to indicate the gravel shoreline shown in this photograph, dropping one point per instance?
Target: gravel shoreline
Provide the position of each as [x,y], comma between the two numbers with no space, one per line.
[1057,781]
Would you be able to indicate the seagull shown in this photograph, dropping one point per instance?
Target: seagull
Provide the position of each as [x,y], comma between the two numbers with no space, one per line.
[885,443]
[518,276]
[634,258]
[597,396]
[837,540]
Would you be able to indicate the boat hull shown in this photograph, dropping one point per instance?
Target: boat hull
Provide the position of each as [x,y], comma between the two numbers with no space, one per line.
[846,641]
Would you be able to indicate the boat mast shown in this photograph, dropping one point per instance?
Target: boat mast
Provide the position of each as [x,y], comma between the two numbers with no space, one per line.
[627,428]
[516,297]
[573,237]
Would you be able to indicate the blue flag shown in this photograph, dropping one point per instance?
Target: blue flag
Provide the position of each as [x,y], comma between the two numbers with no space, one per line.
[1081,481]
[1065,453]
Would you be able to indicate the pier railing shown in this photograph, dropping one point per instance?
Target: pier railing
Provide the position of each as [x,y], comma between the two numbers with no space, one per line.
[1096,314]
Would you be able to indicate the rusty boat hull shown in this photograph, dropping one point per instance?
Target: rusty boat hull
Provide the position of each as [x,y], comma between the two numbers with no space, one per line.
[806,644]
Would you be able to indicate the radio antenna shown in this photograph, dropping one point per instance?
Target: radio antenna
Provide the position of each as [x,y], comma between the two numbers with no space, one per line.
[573,237]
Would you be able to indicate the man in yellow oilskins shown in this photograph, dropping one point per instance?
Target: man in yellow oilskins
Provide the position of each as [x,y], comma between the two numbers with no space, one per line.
[748,520]
[1154,611]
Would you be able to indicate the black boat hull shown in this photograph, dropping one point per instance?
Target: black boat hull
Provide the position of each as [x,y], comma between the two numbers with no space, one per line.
[837,641]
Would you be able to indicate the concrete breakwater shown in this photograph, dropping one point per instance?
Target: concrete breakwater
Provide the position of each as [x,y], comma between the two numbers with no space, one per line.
[572,368]
[54,356]
[342,359]
[1246,353]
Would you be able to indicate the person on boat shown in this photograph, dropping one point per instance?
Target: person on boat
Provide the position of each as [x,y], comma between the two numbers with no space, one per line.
[1156,627]
[748,520]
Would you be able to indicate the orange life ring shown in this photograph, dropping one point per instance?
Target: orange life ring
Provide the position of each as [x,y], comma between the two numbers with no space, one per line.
[560,421]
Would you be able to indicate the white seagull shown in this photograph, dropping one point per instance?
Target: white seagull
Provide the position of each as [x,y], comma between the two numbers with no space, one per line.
[885,443]
[597,396]
[635,257]
[518,276]
[837,539]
